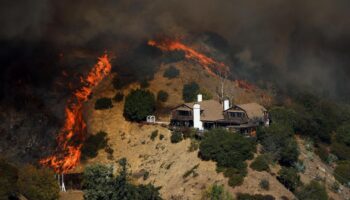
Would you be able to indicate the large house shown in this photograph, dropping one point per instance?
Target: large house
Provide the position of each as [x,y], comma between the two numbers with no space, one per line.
[207,114]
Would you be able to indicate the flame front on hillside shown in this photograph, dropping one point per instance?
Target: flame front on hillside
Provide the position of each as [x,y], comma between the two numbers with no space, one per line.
[72,134]
[213,67]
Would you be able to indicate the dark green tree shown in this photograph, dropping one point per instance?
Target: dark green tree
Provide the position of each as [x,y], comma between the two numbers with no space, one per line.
[289,178]
[37,184]
[138,104]
[103,103]
[190,91]
[171,72]
[162,96]
[8,180]
[261,163]
[94,143]
[312,191]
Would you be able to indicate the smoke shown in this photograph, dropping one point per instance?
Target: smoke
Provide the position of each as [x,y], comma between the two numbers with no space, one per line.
[299,42]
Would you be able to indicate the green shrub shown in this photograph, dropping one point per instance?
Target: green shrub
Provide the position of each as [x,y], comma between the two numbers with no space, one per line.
[206,94]
[171,72]
[161,137]
[190,91]
[216,192]
[261,163]
[193,146]
[118,97]
[162,96]
[341,150]
[189,133]
[103,103]
[38,184]
[154,134]
[264,184]
[176,137]
[227,149]
[8,180]
[289,178]
[243,196]
[313,190]
[94,143]
[343,134]
[342,172]
[235,176]
[138,105]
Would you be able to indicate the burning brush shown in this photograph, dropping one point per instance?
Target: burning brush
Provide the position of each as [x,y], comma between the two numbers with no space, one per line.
[72,134]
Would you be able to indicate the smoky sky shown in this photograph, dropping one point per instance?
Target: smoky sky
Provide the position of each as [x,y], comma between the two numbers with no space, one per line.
[303,42]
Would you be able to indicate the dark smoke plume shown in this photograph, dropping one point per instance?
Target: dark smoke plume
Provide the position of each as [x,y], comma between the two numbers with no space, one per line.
[299,42]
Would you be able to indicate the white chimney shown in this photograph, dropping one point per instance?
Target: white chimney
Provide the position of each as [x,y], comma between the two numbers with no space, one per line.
[226,104]
[199,98]
[197,123]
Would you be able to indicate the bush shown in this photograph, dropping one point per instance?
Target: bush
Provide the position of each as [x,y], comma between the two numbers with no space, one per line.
[190,91]
[162,96]
[341,172]
[176,137]
[261,163]
[99,183]
[235,176]
[343,134]
[138,105]
[227,149]
[313,190]
[289,178]
[154,134]
[264,184]
[171,72]
[193,146]
[161,137]
[243,196]
[103,104]
[8,180]
[206,94]
[342,151]
[216,192]
[189,133]
[118,97]
[38,184]
[94,143]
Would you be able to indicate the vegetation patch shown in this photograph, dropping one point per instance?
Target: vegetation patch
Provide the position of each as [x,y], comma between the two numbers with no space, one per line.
[313,190]
[216,192]
[244,196]
[264,184]
[103,103]
[342,172]
[118,97]
[261,163]
[171,72]
[176,137]
[93,144]
[229,151]
[162,96]
[154,134]
[190,91]
[289,178]
[192,172]
[100,183]
[138,105]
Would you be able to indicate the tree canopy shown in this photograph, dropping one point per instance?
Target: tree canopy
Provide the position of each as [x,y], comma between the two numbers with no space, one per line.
[138,104]
[190,91]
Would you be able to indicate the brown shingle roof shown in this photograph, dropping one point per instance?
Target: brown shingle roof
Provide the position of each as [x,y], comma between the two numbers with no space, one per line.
[253,110]
[211,110]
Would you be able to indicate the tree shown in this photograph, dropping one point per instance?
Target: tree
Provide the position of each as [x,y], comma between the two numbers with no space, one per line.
[227,149]
[118,97]
[94,143]
[98,182]
[261,163]
[343,134]
[176,137]
[190,91]
[289,178]
[162,96]
[278,140]
[37,184]
[138,104]
[312,191]
[171,72]
[8,180]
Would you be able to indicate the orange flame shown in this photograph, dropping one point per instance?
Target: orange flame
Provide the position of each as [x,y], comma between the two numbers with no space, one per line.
[210,65]
[72,134]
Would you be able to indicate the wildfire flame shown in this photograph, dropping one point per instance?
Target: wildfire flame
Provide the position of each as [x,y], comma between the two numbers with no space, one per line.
[72,134]
[210,65]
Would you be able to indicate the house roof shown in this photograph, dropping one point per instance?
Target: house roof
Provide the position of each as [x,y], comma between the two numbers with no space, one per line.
[211,110]
[253,110]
